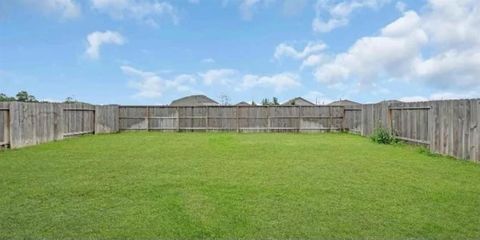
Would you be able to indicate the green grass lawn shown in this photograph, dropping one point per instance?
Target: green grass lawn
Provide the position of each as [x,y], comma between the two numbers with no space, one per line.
[227,185]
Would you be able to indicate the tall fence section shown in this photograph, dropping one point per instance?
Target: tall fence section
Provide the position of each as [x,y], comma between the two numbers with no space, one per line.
[447,127]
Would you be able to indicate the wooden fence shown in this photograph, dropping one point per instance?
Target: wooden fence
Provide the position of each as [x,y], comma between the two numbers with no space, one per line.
[26,124]
[450,127]
[446,127]
[232,118]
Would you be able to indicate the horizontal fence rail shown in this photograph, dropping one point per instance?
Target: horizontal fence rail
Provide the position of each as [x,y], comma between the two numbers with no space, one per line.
[449,127]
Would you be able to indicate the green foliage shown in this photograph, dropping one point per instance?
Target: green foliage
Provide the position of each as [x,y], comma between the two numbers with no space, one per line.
[383,136]
[267,102]
[70,100]
[275,101]
[5,98]
[21,96]
[234,186]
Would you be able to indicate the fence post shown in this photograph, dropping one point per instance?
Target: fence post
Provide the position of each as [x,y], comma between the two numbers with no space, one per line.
[236,115]
[206,119]
[178,120]
[299,118]
[344,119]
[147,118]
[331,118]
[389,119]
[94,121]
[268,119]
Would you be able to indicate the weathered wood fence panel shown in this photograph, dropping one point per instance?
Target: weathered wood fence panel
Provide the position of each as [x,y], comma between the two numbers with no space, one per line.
[34,123]
[106,119]
[79,118]
[455,128]
[449,127]
[410,121]
[352,121]
[232,118]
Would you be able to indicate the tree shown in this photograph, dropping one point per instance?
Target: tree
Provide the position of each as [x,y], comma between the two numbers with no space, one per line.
[23,96]
[70,100]
[275,101]
[265,102]
[5,98]
[224,99]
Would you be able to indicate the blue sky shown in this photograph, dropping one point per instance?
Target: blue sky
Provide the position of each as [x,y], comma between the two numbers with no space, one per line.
[154,51]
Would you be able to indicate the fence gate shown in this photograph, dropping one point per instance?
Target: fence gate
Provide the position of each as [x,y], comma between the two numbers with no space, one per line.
[410,123]
[4,127]
[78,121]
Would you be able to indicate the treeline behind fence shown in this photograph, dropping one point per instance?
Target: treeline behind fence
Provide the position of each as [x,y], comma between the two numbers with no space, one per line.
[446,127]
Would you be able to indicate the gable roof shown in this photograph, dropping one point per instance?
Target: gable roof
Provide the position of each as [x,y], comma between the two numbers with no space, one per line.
[194,100]
[344,102]
[298,101]
[243,103]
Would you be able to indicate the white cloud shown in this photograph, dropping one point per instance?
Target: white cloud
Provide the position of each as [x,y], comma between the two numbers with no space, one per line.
[97,39]
[339,12]
[66,8]
[312,54]
[219,76]
[439,48]
[286,50]
[151,85]
[279,82]
[371,57]
[146,11]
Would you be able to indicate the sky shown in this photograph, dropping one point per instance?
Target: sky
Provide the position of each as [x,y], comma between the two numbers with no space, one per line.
[154,51]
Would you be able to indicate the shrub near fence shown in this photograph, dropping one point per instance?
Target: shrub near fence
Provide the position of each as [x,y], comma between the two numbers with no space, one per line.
[447,127]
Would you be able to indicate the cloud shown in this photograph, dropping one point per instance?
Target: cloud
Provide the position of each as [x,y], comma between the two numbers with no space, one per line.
[97,39]
[151,85]
[278,82]
[219,76]
[248,7]
[285,50]
[146,11]
[68,9]
[371,57]
[312,54]
[437,48]
[339,12]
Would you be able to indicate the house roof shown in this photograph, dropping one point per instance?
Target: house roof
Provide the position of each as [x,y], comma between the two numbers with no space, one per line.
[194,100]
[298,101]
[344,102]
[243,103]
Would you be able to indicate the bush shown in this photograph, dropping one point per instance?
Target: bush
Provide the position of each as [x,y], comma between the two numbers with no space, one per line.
[383,136]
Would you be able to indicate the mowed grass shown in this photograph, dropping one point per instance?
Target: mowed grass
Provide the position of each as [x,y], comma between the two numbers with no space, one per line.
[228,185]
